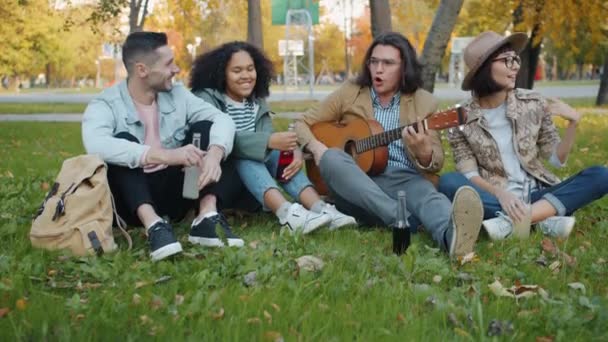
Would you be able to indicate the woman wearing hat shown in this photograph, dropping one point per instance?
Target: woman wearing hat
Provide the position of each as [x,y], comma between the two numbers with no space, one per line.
[508,134]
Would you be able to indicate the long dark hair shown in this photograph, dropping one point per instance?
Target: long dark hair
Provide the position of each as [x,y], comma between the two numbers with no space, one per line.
[410,68]
[209,69]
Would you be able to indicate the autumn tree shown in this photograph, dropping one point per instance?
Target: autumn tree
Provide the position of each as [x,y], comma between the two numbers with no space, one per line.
[437,40]
[380,11]
[254,23]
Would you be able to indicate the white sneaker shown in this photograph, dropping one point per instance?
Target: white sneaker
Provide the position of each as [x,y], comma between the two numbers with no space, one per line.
[557,226]
[467,214]
[500,227]
[305,221]
[338,219]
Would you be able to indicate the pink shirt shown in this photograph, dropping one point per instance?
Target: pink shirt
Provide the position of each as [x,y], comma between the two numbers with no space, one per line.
[148,115]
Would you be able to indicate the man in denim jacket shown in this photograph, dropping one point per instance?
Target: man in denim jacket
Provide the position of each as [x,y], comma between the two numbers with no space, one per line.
[142,128]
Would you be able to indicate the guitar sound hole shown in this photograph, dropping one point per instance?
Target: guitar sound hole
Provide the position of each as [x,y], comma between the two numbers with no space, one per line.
[350,148]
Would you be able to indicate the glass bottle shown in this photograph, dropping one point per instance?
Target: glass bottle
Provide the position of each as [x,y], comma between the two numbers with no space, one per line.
[285,158]
[401,232]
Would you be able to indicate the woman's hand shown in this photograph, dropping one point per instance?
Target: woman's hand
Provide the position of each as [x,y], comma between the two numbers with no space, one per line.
[295,165]
[512,205]
[559,108]
[283,141]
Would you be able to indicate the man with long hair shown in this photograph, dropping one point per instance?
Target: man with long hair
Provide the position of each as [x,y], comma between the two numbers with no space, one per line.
[388,91]
[142,128]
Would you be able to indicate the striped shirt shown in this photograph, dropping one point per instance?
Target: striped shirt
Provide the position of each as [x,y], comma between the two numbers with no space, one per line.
[388,117]
[242,113]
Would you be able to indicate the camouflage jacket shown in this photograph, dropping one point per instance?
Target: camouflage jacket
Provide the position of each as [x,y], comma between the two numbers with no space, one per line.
[535,138]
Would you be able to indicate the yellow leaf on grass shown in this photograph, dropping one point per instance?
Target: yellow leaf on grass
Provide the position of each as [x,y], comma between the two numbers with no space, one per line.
[218,315]
[21,304]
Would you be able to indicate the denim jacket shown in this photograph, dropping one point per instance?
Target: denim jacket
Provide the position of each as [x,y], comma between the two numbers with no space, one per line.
[534,139]
[113,111]
[247,144]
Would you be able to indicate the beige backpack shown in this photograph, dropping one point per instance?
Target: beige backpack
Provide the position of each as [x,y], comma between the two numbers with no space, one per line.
[77,212]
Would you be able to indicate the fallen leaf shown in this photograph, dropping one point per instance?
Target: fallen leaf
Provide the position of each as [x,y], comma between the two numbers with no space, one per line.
[144,319]
[141,284]
[516,291]
[323,307]
[254,244]
[268,316]
[577,286]
[570,260]
[461,332]
[454,320]
[9,174]
[51,272]
[437,279]
[21,304]
[136,299]
[555,266]
[44,186]
[4,312]
[471,257]
[310,263]
[545,338]
[400,317]
[253,320]
[274,336]
[276,307]
[79,317]
[548,246]
[179,300]
[244,298]
[156,303]
[162,279]
[218,315]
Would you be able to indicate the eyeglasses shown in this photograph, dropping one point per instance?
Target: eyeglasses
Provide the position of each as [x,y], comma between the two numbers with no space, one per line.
[375,62]
[509,61]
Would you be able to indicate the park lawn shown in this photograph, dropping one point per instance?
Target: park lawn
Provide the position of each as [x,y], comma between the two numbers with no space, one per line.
[364,292]
[78,108]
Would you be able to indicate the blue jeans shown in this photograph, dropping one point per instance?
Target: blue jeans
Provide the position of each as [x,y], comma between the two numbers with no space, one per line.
[259,177]
[566,197]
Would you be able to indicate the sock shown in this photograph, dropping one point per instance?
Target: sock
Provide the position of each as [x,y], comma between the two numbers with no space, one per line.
[318,206]
[199,218]
[282,211]
[153,223]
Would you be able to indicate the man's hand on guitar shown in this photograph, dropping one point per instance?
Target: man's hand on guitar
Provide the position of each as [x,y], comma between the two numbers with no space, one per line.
[317,149]
[283,141]
[295,165]
[420,143]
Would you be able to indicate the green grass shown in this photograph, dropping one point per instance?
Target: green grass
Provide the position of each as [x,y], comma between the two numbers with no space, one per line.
[364,292]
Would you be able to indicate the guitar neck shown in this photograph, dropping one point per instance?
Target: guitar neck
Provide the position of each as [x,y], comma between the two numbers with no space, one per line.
[384,138]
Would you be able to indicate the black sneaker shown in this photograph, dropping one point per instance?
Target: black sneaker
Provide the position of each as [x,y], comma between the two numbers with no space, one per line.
[162,241]
[204,233]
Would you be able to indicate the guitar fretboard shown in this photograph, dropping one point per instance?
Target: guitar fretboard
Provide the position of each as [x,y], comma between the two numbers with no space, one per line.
[381,139]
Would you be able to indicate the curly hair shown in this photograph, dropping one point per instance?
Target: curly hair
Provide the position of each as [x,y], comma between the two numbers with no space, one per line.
[410,67]
[209,69]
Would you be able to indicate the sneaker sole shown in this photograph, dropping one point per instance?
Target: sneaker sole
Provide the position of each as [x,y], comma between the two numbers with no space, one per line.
[166,251]
[467,217]
[317,225]
[342,223]
[214,242]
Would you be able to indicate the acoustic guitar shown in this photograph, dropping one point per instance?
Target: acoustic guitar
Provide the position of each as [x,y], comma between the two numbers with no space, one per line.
[367,142]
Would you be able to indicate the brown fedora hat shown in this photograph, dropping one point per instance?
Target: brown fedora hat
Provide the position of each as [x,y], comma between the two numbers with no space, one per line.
[483,46]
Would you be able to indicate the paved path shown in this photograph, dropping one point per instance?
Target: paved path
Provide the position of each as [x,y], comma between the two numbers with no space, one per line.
[443,93]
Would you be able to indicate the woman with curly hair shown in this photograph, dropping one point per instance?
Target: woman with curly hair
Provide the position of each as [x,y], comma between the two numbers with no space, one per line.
[235,78]
[508,135]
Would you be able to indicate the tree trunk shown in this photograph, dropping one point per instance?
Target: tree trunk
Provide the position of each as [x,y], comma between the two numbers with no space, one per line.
[47,75]
[529,62]
[380,11]
[254,24]
[138,11]
[437,40]
[602,95]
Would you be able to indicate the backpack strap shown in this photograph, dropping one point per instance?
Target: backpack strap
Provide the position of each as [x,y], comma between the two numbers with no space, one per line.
[122,225]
